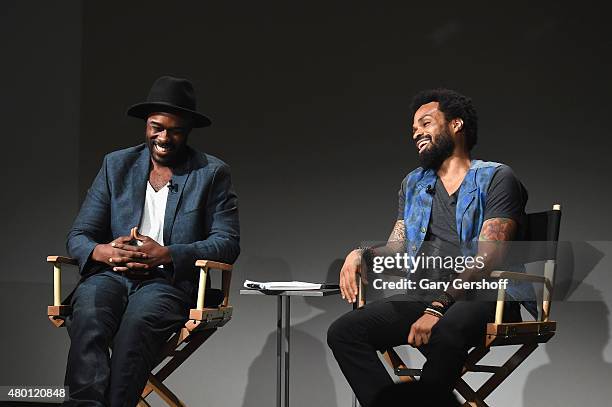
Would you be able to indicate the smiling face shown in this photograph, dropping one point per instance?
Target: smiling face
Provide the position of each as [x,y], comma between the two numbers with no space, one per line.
[432,136]
[166,137]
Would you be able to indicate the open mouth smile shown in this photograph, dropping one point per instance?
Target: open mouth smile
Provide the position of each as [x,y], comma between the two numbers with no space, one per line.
[163,149]
[422,143]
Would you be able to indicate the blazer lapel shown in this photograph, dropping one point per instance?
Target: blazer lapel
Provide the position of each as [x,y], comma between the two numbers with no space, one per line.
[179,179]
[467,193]
[138,186]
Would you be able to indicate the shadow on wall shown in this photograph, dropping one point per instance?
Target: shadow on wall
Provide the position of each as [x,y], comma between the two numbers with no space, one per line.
[577,374]
[575,261]
[308,354]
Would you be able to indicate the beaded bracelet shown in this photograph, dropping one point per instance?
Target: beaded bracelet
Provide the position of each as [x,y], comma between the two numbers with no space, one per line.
[439,308]
[433,312]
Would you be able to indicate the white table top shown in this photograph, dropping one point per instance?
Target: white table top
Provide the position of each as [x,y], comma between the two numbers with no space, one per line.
[296,293]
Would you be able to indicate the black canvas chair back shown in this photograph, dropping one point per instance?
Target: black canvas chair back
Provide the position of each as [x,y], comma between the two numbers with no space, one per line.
[539,239]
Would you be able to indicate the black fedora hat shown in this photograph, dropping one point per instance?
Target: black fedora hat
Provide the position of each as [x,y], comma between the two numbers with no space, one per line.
[171,95]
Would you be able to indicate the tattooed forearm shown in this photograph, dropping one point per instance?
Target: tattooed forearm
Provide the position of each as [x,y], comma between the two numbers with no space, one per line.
[396,242]
[495,235]
[498,229]
[398,234]
[492,247]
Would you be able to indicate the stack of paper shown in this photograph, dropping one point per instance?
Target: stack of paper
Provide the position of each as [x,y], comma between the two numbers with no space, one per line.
[281,285]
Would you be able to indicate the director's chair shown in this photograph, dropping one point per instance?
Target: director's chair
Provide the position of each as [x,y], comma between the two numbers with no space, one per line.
[541,227]
[204,320]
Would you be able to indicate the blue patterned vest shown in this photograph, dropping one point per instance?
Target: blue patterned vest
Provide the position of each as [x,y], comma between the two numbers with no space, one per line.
[469,217]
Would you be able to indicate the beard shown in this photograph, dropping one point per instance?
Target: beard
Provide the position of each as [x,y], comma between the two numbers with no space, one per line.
[174,157]
[438,150]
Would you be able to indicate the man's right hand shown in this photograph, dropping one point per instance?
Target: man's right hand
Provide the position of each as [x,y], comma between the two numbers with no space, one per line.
[118,252]
[351,269]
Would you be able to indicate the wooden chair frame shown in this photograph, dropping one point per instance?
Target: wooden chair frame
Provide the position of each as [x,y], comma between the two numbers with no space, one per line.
[527,334]
[202,323]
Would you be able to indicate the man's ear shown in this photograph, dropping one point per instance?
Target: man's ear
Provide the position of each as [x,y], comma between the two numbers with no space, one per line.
[457,125]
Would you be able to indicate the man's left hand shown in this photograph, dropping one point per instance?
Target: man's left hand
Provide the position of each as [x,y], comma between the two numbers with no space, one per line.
[420,331]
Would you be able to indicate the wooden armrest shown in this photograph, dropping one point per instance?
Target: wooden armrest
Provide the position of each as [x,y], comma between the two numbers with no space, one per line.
[214,265]
[61,259]
[518,276]
[226,279]
[57,277]
[499,309]
[361,294]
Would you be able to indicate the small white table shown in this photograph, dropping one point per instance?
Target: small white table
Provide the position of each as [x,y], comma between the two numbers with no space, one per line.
[283,325]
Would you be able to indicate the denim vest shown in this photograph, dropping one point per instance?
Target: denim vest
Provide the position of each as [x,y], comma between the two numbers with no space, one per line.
[469,217]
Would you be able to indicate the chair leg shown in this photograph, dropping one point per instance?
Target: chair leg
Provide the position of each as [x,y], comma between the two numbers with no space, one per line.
[164,392]
[143,403]
[396,362]
[515,360]
[474,357]
[178,358]
[471,397]
[476,398]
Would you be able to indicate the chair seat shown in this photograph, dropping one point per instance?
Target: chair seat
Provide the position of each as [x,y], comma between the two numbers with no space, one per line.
[521,328]
[517,333]
[212,317]
[212,300]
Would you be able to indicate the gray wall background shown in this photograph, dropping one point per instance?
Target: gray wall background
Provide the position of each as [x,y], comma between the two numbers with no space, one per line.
[310,108]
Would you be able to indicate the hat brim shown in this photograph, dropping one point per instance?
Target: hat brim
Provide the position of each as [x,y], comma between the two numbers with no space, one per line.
[143,110]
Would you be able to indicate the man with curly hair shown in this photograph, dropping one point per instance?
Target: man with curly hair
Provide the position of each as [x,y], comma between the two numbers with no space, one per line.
[452,205]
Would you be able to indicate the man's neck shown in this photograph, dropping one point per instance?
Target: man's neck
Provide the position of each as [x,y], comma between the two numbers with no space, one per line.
[453,170]
[457,165]
[160,169]
[175,167]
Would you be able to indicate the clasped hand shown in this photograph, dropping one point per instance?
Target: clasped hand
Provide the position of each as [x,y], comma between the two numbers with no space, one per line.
[122,255]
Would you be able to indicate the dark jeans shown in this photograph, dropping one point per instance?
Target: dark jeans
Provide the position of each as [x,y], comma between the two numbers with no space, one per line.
[355,337]
[135,318]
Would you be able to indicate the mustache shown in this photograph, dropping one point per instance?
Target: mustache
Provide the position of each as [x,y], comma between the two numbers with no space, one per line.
[421,137]
[163,145]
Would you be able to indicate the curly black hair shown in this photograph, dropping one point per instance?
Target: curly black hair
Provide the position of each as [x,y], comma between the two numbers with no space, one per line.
[453,105]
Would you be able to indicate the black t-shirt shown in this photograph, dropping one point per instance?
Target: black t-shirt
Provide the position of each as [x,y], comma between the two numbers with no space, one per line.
[506,198]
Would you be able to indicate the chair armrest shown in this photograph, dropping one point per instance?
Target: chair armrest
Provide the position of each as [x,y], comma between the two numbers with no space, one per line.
[62,259]
[499,309]
[57,261]
[361,293]
[518,276]
[226,279]
[214,265]
[512,275]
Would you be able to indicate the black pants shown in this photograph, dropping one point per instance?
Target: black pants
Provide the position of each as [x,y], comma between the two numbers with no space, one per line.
[135,318]
[355,337]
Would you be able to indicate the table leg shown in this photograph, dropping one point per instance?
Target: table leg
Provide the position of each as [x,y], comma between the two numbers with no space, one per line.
[279,349]
[287,346]
[282,350]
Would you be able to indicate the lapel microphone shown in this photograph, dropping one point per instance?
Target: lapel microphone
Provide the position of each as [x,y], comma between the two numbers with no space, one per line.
[172,187]
[429,190]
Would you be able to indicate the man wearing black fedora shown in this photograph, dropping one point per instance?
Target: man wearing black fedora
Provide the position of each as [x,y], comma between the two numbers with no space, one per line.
[137,286]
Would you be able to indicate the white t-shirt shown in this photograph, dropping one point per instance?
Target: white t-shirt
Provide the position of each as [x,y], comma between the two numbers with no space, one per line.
[152,224]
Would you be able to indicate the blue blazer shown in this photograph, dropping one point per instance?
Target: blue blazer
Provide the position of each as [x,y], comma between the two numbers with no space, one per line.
[201,219]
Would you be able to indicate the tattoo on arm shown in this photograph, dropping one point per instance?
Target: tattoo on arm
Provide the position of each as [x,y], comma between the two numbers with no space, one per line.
[398,234]
[493,235]
[498,229]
